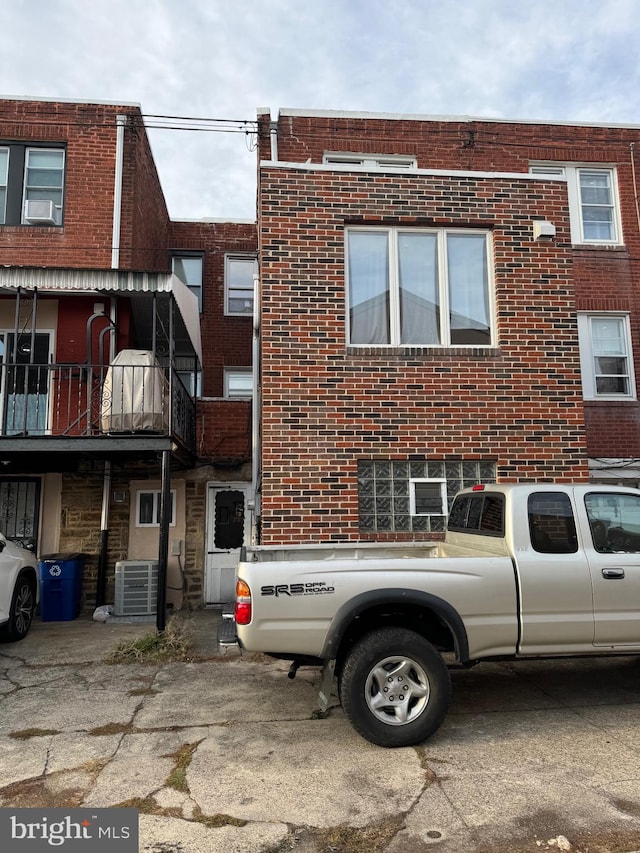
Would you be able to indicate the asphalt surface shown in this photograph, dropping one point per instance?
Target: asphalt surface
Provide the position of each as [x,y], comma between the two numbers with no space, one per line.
[225,753]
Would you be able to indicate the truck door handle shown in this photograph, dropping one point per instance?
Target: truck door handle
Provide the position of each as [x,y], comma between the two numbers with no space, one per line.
[612,574]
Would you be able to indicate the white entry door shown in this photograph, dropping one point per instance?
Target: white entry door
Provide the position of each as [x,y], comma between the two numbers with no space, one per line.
[227,531]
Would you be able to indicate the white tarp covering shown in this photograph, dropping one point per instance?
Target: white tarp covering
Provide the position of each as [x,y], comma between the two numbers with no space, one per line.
[135,394]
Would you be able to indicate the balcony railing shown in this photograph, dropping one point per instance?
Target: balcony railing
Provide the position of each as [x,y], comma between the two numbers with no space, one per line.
[77,400]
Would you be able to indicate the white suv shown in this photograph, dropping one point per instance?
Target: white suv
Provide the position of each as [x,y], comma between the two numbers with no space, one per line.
[19,590]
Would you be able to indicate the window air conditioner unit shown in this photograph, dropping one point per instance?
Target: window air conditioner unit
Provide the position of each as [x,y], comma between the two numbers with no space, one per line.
[136,588]
[39,212]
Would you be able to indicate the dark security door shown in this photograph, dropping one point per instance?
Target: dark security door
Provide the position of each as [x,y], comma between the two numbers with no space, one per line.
[20,510]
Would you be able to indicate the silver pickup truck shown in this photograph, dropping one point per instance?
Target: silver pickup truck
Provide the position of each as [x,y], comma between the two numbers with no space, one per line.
[525,571]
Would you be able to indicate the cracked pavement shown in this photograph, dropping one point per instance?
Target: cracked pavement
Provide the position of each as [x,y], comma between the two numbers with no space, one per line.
[224,753]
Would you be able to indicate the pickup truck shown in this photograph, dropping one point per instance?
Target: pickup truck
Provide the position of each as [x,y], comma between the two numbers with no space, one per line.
[525,571]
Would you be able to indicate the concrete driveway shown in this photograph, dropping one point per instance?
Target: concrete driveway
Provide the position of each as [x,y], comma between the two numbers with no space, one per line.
[224,753]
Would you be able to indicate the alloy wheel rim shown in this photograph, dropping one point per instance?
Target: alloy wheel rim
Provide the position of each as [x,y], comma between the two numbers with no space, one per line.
[397,690]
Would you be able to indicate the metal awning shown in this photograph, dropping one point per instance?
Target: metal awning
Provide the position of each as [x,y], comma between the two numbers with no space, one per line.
[124,283]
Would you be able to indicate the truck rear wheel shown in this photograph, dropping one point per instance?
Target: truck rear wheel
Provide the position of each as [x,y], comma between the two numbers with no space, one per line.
[395,687]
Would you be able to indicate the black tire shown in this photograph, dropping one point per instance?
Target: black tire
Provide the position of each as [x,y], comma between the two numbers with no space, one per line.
[395,687]
[23,606]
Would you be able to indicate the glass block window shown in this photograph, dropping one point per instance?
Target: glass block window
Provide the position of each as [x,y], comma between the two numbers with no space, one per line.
[408,496]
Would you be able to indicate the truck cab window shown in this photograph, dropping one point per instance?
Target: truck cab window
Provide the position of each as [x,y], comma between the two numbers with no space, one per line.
[481,513]
[614,521]
[552,527]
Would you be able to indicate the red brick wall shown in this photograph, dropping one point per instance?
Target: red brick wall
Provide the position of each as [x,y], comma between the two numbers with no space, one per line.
[326,405]
[605,278]
[226,341]
[224,431]
[89,133]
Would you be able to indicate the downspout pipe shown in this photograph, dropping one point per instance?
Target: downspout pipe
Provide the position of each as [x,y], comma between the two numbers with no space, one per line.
[256,465]
[121,121]
[104,535]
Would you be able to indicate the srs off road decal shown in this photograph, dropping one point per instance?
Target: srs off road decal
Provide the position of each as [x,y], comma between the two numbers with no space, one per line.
[313,588]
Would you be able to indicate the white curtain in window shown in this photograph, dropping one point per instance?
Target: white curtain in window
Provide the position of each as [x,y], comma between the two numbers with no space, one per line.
[368,253]
[418,279]
[468,290]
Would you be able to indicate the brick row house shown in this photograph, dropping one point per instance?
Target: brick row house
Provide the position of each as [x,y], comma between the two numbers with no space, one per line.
[125,344]
[439,302]
[443,301]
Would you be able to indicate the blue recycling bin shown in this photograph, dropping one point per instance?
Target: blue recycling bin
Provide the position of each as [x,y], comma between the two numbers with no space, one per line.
[60,586]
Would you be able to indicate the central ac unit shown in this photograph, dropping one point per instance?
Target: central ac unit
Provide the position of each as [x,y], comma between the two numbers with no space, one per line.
[40,212]
[136,588]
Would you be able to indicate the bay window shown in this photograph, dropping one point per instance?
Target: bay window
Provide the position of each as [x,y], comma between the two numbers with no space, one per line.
[419,287]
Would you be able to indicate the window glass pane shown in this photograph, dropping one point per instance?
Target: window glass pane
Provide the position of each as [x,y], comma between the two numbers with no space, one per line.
[597,223]
[368,264]
[419,299]
[189,270]
[44,174]
[4,167]
[229,522]
[146,502]
[597,205]
[608,336]
[428,498]
[610,356]
[551,524]
[44,169]
[44,159]
[239,383]
[459,512]
[595,187]
[610,376]
[614,521]
[239,274]
[468,289]
[492,520]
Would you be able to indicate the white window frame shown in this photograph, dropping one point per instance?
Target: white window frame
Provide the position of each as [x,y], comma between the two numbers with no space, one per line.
[232,373]
[228,260]
[26,187]
[156,507]
[4,184]
[6,359]
[413,482]
[572,171]
[369,161]
[587,355]
[443,285]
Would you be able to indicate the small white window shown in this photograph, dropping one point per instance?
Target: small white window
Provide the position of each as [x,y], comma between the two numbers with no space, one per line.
[593,201]
[239,271]
[369,161]
[43,182]
[189,269]
[427,497]
[238,382]
[605,357]
[148,508]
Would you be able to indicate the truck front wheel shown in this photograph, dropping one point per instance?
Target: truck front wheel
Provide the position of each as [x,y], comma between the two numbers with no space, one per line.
[395,687]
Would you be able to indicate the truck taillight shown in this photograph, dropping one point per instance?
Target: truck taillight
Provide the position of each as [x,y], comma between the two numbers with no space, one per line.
[243,603]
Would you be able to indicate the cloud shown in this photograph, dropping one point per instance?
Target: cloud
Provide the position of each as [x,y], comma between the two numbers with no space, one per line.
[560,60]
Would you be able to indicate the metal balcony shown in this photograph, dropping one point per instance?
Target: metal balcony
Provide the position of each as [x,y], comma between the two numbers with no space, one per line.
[96,408]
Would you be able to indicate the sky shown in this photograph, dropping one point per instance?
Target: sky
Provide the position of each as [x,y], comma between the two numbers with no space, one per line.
[564,60]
